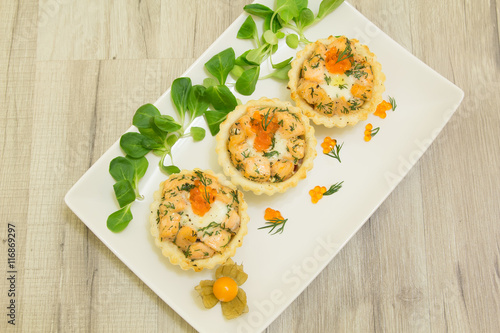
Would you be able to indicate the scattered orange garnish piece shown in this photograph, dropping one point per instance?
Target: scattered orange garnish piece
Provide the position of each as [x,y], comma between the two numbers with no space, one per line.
[328,144]
[317,193]
[382,108]
[272,215]
[370,132]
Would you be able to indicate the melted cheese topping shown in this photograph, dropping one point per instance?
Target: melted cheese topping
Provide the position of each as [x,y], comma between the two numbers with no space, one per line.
[217,214]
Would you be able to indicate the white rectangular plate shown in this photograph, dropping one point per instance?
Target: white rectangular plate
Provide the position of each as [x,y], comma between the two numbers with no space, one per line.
[280,267]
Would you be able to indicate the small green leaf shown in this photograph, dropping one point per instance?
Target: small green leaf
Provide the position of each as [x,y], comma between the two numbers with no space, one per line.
[292,41]
[120,219]
[214,119]
[157,134]
[167,123]
[152,133]
[172,139]
[124,192]
[221,64]
[283,63]
[150,144]
[258,10]
[237,71]
[221,98]
[256,56]
[180,92]
[160,152]
[306,18]
[245,84]
[242,60]
[140,166]
[209,82]
[287,9]
[276,26]
[280,34]
[280,74]
[170,169]
[328,6]
[131,143]
[144,114]
[301,4]
[121,168]
[197,133]
[248,29]
[197,103]
[270,37]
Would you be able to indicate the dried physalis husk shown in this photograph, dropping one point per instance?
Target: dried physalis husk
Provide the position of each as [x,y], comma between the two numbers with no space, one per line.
[233,271]
[206,291]
[236,307]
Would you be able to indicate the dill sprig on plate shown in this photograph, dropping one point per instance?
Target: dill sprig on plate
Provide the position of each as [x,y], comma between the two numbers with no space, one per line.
[276,223]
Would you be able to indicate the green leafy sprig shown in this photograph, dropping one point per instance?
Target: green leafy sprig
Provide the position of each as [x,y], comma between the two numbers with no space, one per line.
[126,171]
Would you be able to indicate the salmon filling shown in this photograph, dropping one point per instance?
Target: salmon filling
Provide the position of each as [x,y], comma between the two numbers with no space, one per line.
[267,144]
[335,80]
[198,214]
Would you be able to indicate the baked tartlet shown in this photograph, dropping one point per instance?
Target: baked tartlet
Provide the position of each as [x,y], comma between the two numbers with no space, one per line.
[198,219]
[336,81]
[266,146]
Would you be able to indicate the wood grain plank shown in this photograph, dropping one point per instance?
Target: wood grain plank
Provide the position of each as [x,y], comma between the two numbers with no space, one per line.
[212,20]
[133,29]
[73,30]
[58,266]
[17,82]
[459,272]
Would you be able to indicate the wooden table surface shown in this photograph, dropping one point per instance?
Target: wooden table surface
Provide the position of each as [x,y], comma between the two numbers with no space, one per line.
[73,73]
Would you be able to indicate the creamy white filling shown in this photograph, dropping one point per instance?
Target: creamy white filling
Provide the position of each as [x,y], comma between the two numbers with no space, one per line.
[338,85]
[217,214]
[280,145]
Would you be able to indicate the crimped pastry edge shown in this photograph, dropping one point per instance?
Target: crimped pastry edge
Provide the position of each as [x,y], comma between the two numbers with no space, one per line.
[264,188]
[174,254]
[337,121]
